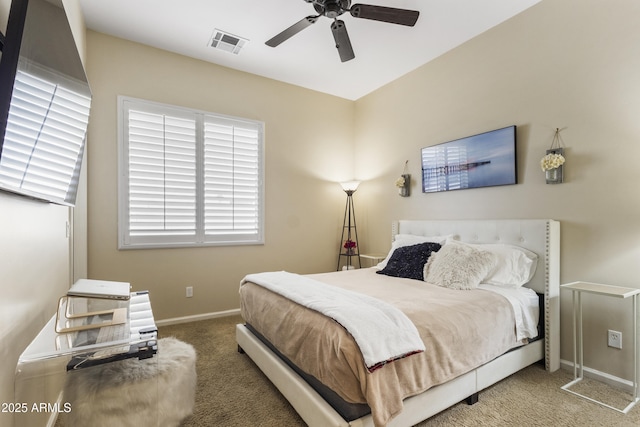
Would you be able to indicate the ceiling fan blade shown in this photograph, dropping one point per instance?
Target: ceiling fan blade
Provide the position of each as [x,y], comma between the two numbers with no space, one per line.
[385,14]
[292,31]
[343,44]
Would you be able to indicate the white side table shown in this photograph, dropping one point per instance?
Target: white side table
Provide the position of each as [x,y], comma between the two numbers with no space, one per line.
[374,258]
[577,289]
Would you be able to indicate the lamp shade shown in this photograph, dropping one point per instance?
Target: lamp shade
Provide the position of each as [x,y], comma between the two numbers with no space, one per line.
[350,186]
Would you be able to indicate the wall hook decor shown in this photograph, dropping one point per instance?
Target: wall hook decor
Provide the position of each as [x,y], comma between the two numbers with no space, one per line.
[404,182]
[552,163]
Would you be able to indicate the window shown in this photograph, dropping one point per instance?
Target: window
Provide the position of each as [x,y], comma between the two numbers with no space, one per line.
[188,178]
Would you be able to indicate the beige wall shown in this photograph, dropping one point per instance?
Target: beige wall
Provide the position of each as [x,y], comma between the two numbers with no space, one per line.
[309,147]
[35,261]
[570,64]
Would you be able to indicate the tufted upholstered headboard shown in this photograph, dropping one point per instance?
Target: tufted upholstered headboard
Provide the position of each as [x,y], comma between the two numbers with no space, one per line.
[541,236]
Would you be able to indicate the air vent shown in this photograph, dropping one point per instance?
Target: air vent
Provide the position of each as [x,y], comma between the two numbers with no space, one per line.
[227,42]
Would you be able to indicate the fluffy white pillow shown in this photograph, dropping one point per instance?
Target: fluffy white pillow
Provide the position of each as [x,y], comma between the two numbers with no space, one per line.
[458,266]
[515,265]
[401,240]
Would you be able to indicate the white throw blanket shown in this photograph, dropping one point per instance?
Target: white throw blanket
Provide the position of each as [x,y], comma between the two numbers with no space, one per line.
[382,332]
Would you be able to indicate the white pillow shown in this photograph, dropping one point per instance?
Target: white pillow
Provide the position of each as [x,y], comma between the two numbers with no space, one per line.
[401,240]
[515,265]
[458,266]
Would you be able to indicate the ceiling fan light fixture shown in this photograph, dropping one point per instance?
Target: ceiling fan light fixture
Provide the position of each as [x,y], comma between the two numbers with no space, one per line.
[226,41]
[332,9]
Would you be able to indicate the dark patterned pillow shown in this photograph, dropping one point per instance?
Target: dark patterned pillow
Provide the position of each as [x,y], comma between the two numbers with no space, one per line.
[408,261]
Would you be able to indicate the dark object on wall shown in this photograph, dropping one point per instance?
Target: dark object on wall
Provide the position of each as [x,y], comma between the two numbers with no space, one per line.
[44,104]
[483,160]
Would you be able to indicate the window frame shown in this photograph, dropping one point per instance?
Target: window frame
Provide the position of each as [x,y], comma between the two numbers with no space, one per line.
[200,238]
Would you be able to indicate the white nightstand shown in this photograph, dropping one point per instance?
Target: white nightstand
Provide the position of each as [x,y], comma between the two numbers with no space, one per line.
[373,258]
[577,289]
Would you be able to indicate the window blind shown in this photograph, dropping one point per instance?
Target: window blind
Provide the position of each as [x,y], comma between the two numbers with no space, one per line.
[44,139]
[162,174]
[231,178]
[189,178]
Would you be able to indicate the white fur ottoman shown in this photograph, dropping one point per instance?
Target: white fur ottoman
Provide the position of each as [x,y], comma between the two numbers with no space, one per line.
[159,391]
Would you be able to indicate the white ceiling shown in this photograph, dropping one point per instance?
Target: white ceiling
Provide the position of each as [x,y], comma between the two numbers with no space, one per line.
[383,51]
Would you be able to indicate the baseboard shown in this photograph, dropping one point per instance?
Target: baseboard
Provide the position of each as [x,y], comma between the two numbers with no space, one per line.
[619,383]
[197,317]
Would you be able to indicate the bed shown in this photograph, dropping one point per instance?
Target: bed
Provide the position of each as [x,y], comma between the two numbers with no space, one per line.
[365,403]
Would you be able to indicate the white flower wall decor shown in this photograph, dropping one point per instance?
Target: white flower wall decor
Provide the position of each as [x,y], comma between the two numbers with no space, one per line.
[552,164]
[404,182]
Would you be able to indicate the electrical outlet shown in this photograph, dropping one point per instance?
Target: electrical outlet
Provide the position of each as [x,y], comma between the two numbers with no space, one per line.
[614,339]
[189,291]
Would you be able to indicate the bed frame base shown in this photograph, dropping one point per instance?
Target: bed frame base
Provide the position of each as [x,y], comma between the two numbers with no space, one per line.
[315,411]
[473,399]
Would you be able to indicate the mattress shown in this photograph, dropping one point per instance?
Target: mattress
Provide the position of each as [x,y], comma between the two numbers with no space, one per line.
[461,331]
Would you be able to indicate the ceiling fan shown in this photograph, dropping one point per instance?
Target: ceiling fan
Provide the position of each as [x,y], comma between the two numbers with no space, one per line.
[334,8]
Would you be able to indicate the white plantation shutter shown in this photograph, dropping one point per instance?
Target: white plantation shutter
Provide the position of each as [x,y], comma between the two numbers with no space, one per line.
[188,178]
[162,174]
[44,139]
[231,160]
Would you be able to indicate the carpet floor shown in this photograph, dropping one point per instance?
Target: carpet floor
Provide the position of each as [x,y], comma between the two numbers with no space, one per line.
[232,391]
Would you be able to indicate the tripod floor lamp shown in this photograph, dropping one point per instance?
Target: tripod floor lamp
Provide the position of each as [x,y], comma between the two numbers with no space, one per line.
[349,242]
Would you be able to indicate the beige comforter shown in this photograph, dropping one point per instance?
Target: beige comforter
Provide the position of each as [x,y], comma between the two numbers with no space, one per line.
[461,330]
